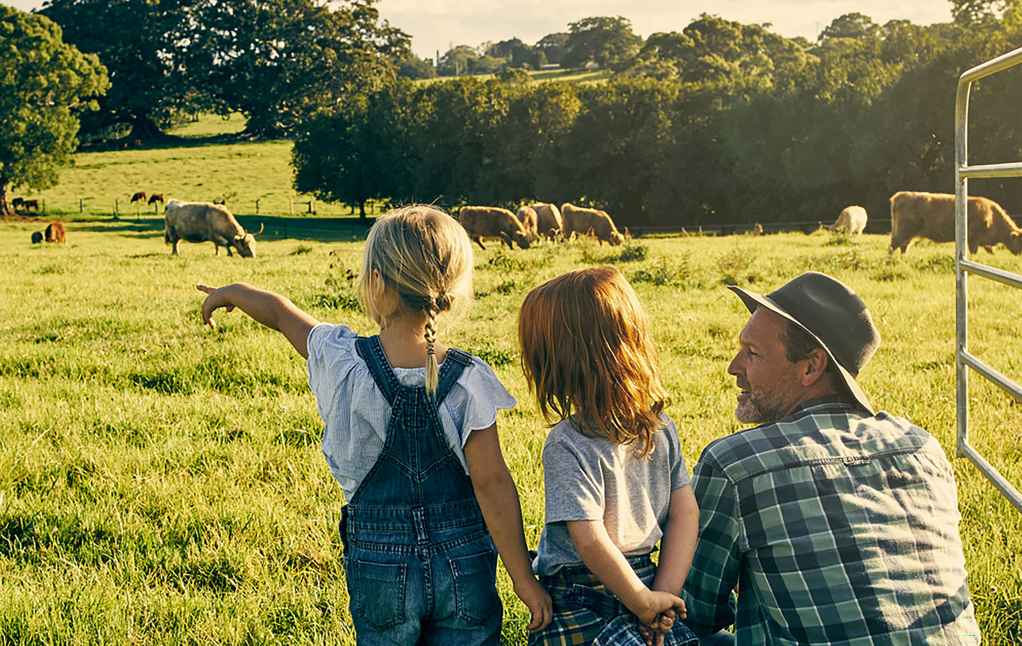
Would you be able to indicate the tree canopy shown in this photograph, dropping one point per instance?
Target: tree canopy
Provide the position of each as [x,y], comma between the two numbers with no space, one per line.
[604,40]
[271,60]
[44,85]
[140,44]
[720,123]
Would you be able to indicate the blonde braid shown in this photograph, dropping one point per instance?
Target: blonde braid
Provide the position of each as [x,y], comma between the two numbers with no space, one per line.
[431,366]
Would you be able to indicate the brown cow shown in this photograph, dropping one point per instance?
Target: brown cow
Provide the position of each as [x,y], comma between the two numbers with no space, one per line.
[932,215]
[140,196]
[492,222]
[595,222]
[527,216]
[155,197]
[549,222]
[30,205]
[54,232]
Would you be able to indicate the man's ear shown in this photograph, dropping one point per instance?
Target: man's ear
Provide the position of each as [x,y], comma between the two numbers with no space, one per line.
[814,367]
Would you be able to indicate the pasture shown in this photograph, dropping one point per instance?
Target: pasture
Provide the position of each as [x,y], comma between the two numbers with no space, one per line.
[162,483]
[203,161]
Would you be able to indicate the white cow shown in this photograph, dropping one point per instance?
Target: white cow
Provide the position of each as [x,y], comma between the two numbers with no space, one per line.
[852,221]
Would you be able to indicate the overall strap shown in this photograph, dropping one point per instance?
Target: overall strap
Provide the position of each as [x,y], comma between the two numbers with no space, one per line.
[454,364]
[371,351]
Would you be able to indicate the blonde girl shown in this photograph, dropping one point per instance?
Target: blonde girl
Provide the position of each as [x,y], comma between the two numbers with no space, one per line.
[615,480]
[411,437]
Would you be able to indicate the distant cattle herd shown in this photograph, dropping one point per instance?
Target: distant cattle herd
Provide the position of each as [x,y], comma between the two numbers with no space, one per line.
[913,215]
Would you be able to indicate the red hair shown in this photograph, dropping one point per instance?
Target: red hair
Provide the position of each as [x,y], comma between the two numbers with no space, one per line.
[587,353]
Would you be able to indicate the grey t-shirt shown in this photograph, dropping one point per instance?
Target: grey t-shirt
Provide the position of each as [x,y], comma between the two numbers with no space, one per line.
[589,478]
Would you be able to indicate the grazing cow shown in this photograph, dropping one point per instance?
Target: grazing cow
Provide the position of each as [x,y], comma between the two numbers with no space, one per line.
[492,222]
[852,221]
[154,198]
[549,221]
[527,216]
[932,215]
[37,237]
[204,222]
[595,222]
[29,205]
[54,232]
[140,196]
[17,202]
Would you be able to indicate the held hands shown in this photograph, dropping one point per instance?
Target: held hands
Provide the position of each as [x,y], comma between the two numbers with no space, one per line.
[658,617]
[537,601]
[217,298]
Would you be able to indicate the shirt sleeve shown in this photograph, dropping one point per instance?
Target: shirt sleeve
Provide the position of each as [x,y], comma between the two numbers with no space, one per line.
[479,395]
[330,359]
[679,470]
[573,490]
[715,566]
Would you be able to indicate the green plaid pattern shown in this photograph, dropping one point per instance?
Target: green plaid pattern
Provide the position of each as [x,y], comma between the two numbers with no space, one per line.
[585,612]
[837,527]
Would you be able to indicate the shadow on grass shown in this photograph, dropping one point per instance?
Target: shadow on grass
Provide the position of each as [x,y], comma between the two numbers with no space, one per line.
[276,227]
[172,141]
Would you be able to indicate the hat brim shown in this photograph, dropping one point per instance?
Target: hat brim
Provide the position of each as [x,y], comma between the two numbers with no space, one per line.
[753,300]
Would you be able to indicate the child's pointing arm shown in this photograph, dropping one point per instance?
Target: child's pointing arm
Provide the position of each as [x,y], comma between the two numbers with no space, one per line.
[272,310]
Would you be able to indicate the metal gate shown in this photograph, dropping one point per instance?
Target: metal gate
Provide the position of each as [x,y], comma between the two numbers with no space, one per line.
[964,266]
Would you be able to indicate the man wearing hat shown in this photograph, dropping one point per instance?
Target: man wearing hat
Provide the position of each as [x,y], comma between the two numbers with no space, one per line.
[835,523]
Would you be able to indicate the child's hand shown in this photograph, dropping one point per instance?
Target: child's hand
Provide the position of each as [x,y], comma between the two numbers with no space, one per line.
[537,601]
[657,603]
[216,299]
[664,622]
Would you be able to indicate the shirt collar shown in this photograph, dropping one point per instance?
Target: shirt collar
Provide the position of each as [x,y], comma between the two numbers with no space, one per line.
[828,404]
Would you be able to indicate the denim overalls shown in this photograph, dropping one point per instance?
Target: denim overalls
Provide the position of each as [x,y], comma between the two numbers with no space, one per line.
[421,567]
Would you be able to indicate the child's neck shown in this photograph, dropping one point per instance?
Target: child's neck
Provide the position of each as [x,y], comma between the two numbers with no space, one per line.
[404,342]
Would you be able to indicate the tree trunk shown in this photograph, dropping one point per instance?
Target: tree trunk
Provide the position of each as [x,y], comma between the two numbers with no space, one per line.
[362,210]
[144,129]
[5,208]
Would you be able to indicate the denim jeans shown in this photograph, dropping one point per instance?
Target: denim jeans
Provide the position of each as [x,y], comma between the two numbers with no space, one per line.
[421,567]
[441,596]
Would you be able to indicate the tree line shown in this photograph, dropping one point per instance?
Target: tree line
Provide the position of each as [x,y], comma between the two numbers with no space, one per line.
[722,122]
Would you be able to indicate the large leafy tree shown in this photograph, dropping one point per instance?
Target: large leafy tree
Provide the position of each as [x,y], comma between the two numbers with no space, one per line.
[552,46]
[44,84]
[141,43]
[357,151]
[276,60]
[604,40]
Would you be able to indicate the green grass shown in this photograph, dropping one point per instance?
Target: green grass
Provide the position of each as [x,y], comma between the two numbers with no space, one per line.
[161,483]
[204,161]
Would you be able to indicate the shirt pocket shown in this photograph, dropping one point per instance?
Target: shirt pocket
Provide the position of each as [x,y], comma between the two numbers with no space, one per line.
[377,592]
[475,587]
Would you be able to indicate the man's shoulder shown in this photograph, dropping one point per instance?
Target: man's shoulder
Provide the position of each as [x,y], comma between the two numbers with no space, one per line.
[814,437]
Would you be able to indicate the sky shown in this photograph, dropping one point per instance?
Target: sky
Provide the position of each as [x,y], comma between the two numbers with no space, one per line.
[438,24]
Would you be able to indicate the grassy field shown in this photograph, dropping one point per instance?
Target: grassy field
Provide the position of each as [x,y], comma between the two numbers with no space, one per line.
[203,162]
[161,483]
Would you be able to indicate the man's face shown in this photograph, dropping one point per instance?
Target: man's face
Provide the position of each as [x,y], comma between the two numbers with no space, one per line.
[771,385]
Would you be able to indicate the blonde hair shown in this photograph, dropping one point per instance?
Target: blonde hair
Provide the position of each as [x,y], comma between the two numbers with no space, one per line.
[587,352]
[424,257]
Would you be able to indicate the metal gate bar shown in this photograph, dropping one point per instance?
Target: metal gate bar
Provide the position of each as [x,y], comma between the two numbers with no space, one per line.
[964,360]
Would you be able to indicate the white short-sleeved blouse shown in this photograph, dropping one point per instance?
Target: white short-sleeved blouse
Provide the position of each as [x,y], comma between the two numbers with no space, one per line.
[356,413]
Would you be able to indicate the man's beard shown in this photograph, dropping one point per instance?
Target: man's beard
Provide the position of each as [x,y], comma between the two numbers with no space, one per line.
[753,409]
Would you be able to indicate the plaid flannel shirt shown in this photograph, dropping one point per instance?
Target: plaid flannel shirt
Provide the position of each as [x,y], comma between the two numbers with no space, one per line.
[837,527]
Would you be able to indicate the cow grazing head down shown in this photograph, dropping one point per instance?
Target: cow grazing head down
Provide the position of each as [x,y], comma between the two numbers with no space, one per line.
[1015,242]
[518,237]
[245,243]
